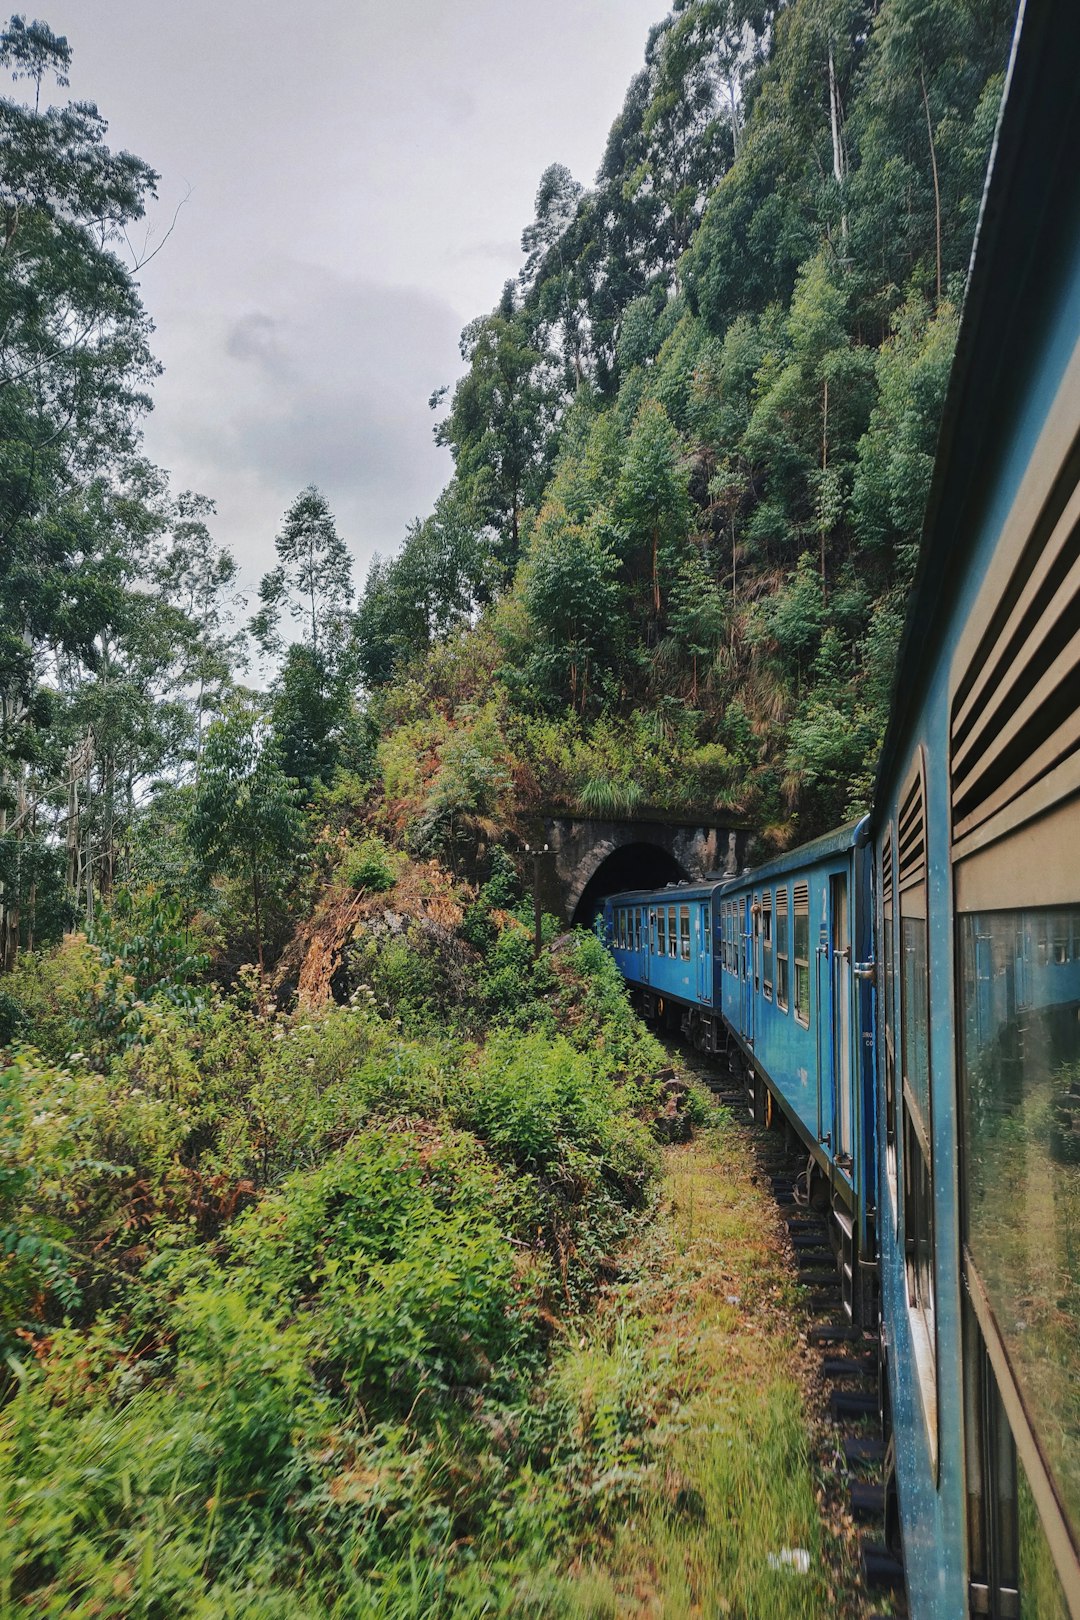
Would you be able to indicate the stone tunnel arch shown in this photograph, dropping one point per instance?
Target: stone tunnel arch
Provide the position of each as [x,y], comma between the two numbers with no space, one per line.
[637,865]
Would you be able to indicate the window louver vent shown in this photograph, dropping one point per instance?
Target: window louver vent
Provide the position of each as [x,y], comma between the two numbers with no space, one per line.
[1016,716]
[911,830]
[802,895]
[887,871]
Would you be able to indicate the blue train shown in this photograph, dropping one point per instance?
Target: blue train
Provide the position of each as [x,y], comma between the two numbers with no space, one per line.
[905,993]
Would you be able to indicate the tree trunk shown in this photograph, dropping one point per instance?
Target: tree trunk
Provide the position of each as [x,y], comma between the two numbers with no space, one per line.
[656,568]
[736,125]
[933,169]
[836,129]
[258,917]
[824,471]
[733,579]
[88,864]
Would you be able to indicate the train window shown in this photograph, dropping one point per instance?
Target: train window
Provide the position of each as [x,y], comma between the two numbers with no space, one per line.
[1011,1563]
[684,933]
[767,944]
[755,943]
[888,957]
[672,932]
[661,931]
[782,948]
[652,929]
[706,931]
[1020,1068]
[801,916]
[637,928]
[918,1200]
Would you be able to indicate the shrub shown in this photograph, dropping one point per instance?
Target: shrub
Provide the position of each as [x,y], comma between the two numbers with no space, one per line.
[370,866]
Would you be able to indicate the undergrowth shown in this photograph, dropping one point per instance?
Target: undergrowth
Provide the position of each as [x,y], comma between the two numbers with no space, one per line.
[278,1290]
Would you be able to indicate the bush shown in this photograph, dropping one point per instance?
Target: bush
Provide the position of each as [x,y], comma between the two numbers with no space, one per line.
[369,866]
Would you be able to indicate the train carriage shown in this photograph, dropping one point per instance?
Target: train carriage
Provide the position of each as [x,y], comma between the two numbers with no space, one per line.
[976,837]
[796,942]
[908,989]
[664,942]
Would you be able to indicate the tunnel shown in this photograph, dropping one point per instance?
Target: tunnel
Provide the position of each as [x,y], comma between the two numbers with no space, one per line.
[631,866]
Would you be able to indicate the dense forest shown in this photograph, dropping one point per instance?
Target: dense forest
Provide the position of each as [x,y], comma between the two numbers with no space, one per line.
[306,1161]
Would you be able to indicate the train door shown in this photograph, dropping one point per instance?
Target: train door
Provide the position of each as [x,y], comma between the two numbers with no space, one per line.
[704,952]
[746,970]
[841,1013]
[824,1022]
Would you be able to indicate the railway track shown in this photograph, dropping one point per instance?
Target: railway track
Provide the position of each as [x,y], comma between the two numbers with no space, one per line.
[849,1355]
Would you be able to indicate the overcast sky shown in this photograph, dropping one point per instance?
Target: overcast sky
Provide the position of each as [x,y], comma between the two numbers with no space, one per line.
[359,178]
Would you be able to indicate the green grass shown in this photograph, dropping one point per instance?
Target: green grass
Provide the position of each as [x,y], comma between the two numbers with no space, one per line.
[691,1393]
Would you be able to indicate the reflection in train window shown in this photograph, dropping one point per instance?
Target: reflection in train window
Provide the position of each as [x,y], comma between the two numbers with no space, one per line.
[801,914]
[1021,1123]
[782,948]
[767,944]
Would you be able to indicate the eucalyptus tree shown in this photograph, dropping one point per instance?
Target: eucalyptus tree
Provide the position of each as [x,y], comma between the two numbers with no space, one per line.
[312,580]
[501,422]
[74,365]
[245,824]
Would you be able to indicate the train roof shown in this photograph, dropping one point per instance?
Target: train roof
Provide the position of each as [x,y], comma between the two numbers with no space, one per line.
[850,836]
[690,889]
[1020,262]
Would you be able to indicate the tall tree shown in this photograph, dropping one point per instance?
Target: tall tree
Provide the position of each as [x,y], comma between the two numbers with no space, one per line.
[313,578]
[244,821]
[500,422]
[74,362]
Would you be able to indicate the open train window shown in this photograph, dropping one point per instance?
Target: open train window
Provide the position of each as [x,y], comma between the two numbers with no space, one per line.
[673,932]
[661,931]
[1020,1131]
[801,916]
[782,948]
[684,933]
[916,1127]
[767,944]
[755,912]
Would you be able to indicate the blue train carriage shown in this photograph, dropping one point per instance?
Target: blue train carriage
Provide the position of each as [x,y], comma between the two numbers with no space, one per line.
[664,943]
[976,839]
[796,993]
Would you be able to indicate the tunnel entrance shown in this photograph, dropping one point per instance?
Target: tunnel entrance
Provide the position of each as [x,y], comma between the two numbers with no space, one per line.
[631,866]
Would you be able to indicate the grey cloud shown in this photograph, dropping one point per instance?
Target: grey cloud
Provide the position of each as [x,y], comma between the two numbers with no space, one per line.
[327,383]
[256,337]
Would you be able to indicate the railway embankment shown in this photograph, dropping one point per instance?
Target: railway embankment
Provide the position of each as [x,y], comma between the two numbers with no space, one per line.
[702,1412]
